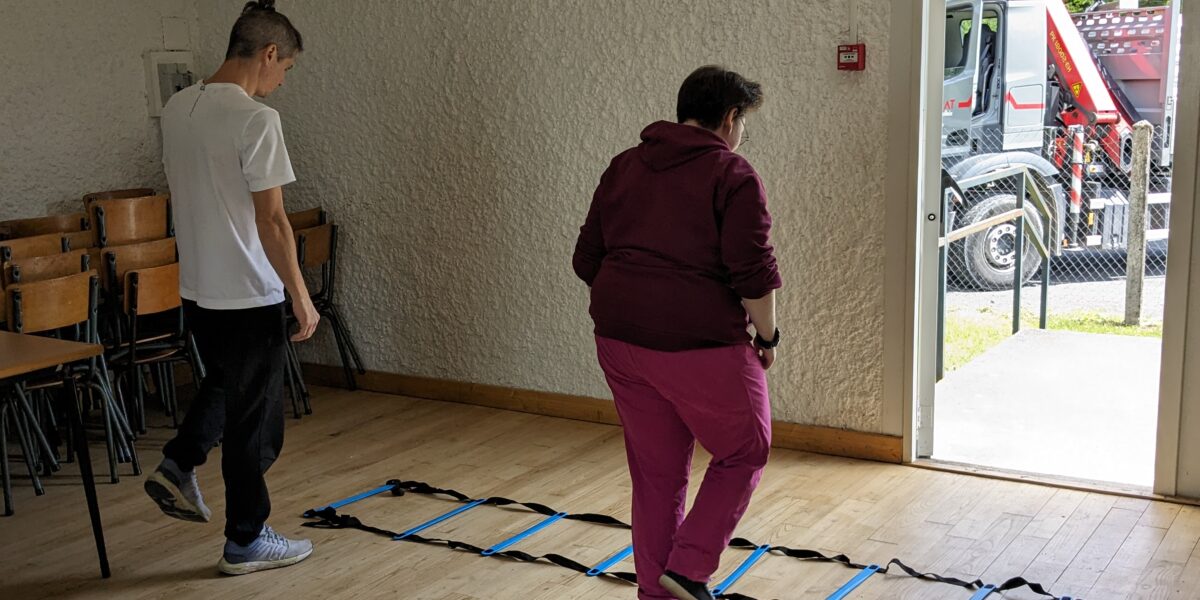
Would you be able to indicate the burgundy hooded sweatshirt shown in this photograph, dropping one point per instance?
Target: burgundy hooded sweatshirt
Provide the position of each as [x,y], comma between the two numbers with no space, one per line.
[677,234]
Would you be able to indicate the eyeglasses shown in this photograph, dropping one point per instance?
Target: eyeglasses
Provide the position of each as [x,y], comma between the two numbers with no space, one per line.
[745,136]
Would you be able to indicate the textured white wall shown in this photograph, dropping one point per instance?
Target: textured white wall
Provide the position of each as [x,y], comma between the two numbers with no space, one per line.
[458,143]
[73,115]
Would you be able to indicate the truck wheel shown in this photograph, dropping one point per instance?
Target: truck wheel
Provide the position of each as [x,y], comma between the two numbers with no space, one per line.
[985,260]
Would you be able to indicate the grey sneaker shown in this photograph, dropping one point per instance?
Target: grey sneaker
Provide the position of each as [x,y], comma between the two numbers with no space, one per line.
[269,551]
[177,493]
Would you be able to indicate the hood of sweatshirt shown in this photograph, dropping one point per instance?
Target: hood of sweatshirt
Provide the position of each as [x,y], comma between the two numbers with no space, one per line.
[667,145]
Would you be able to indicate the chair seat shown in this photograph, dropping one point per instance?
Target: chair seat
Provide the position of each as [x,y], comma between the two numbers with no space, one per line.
[31,386]
[158,356]
[147,354]
[109,347]
[51,378]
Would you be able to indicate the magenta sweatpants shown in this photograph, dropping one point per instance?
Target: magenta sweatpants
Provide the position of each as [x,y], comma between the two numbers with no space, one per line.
[667,401]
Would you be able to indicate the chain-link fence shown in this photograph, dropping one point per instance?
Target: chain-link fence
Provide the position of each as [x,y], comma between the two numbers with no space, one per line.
[1083,174]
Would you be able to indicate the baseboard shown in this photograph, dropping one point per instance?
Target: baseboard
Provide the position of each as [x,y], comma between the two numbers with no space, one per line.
[792,436]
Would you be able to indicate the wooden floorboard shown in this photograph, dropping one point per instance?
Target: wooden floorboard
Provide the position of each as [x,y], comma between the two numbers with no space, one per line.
[1084,544]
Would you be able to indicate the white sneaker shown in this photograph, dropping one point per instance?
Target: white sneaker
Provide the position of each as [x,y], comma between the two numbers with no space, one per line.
[269,551]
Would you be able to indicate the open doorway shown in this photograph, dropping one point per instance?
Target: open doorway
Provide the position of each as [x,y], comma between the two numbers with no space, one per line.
[1048,317]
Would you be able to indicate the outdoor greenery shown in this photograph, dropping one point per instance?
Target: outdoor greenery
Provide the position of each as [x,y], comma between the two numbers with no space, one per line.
[971,333]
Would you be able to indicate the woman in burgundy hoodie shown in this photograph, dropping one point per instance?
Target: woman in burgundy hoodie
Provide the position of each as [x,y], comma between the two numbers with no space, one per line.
[676,252]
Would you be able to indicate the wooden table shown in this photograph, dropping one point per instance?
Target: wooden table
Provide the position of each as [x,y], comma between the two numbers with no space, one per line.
[24,354]
[21,354]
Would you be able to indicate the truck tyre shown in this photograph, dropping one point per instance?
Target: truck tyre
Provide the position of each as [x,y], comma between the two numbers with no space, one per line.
[985,260]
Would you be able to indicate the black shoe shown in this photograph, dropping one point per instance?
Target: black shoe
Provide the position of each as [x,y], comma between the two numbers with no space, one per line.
[684,588]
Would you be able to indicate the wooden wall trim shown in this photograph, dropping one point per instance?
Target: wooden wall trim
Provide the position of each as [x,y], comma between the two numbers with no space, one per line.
[791,436]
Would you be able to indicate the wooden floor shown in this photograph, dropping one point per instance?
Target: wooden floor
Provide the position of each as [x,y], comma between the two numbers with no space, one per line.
[1081,544]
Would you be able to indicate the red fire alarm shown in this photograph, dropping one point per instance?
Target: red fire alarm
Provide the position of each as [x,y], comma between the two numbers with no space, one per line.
[852,57]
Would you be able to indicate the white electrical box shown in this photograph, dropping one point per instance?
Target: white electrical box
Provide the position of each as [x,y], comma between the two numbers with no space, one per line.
[166,73]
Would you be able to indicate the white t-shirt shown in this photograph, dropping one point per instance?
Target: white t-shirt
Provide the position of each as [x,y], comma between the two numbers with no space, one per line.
[219,145]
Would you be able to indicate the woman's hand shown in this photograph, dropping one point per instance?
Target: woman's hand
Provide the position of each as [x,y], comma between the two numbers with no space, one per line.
[766,357]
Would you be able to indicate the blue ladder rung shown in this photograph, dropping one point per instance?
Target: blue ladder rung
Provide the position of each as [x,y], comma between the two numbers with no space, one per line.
[524,534]
[741,570]
[439,519]
[853,584]
[352,499]
[984,592]
[608,563]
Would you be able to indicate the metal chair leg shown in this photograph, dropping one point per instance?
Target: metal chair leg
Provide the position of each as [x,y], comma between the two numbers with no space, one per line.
[298,378]
[23,399]
[4,473]
[52,423]
[128,442]
[351,383]
[140,399]
[295,394]
[124,437]
[294,357]
[113,394]
[70,444]
[27,451]
[109,440]
[340,323]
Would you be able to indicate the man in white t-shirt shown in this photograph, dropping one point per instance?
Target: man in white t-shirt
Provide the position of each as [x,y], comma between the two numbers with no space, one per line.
[225,160]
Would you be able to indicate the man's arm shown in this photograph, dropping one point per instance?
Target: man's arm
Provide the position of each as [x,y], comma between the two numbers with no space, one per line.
[278,242]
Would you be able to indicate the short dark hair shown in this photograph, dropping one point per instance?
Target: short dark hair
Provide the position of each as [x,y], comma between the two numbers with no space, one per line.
[259,27]
[710,91]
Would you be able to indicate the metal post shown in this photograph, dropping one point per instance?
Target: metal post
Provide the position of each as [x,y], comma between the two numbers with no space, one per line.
[1076,133]
[1019,251]
[1135,264]
[1048,241]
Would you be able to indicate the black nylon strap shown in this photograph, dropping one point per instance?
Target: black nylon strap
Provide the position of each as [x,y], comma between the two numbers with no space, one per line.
[417,487]
[800,554]
[329,518]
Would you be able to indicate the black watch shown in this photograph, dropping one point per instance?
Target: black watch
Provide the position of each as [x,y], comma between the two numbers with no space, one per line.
[764,344]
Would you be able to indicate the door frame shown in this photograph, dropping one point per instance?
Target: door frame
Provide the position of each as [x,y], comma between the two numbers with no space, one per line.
[909,364]
[1174,384]
[914,174]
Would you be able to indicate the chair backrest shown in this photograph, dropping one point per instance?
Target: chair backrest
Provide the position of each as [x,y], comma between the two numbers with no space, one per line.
[152,290]
[79,240]
[116,261]
[41,268]
[51,304]
[315,245]
[130,220]
[19,228]
[38,245]
[83,240]
[307,218]
[88,199]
